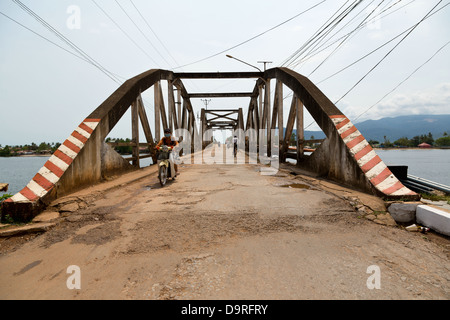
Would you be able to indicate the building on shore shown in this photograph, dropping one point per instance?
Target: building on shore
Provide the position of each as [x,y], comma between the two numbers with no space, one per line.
[424,146]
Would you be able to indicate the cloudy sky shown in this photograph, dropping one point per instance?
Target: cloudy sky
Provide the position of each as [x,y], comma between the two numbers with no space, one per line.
[47,89]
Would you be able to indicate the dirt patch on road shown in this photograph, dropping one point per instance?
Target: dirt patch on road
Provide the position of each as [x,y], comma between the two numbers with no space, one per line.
[11,244]
[70,225]
[99,235]
[187,231]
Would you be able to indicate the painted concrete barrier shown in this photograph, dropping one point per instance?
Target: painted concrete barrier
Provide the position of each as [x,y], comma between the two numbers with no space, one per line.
[72,166]
[434,218]
[47,177]
[375,170]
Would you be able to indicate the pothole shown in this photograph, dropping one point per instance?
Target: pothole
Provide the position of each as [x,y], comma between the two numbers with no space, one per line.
[297,186]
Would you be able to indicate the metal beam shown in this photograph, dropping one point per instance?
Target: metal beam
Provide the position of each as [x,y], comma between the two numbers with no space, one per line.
[218,75]
[221,95]
[135,131]
[222,110]
[223,122]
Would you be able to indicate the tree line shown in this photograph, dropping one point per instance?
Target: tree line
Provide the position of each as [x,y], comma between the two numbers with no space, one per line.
[50,148]
[33,148]
[414,142]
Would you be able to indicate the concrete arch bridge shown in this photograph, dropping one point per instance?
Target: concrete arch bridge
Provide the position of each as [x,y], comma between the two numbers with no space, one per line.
[85,158]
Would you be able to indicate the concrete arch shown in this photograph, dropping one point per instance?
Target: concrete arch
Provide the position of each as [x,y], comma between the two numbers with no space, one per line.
[345,155]
[84,158]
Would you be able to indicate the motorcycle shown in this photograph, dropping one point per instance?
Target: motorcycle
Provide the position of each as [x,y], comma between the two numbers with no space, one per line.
[165,164]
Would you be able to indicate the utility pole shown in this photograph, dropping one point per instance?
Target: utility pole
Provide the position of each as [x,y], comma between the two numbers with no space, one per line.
[206,102]
[265,62]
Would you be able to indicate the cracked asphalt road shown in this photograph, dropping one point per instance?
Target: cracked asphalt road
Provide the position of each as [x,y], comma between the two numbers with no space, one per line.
[224,232]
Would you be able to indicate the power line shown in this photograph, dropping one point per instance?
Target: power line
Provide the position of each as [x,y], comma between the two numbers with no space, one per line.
[319,50]
[390,51]
[379,47]
[313,36]
[346,38]
[428,15]
[125,33]
[85,57]
[406,79]
[317,37]
[143,34]
[67,41]
[46,39]
[154,33]
[160,41]
[252,38]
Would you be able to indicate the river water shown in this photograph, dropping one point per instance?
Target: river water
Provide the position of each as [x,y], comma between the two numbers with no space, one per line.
[431,164]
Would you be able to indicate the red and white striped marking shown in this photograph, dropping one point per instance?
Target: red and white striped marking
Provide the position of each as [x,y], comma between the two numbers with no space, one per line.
[371,164]
[54,168]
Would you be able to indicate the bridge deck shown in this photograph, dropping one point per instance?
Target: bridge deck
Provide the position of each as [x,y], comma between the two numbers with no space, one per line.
[222,232]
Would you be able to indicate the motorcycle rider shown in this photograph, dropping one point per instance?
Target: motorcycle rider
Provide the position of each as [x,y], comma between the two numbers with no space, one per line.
[235,145]
[169,140]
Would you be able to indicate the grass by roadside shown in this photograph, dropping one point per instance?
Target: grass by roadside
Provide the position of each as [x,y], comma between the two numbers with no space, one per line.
[435,197]
[6,220]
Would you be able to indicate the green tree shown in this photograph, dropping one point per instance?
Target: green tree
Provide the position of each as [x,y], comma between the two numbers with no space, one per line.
[5,152]
[443,142]
[33,146]
[43,146]
[387,143]
[403,142]
[122,149]
[426,139]
[293,140]
[55,147]
[415,141]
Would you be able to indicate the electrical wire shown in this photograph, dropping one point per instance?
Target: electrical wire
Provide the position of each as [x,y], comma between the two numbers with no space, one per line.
[379,47]
[67,41]
[386,55]
[160,41]
[346,38]
[46,39]
[324,46]
[429,14]
[252,38]
[154,33]
[321,33]
[84,57]
[125,33]
[403,81]
[143,34]
[319,50]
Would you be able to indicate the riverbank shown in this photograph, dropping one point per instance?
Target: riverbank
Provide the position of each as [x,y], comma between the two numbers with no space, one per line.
[413,148]
[28,155]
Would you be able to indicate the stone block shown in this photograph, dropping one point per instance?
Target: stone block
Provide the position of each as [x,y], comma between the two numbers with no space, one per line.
[404,212]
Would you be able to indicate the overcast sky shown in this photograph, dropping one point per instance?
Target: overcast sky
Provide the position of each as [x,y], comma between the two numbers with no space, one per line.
[45,91]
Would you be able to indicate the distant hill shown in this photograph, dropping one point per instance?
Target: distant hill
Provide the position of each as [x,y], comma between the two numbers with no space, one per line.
[405,126]
[398,127]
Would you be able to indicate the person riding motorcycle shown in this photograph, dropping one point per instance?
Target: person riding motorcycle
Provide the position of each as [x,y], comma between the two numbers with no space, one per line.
[235,145]
[168,140]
